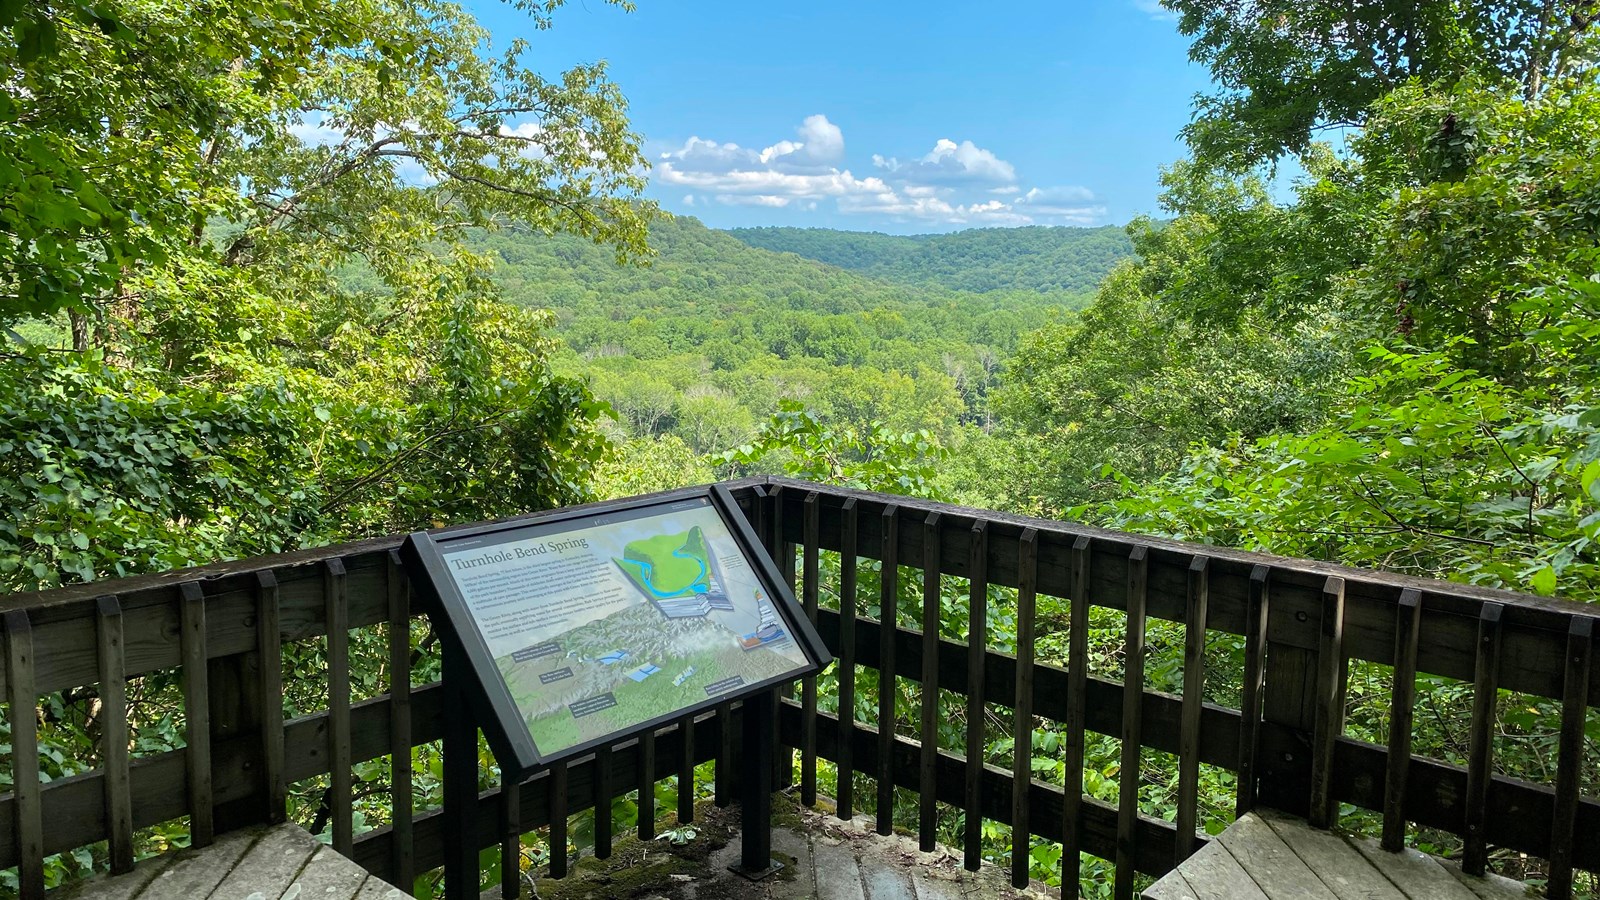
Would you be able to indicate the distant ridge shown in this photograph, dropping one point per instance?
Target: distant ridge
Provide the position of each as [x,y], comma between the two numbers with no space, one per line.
[1034,258]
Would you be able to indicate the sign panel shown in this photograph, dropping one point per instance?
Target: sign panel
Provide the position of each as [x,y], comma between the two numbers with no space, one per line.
[586,626]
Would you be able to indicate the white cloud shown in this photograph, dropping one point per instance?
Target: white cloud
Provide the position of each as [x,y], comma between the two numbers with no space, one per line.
[1071,204]
[317,132]
[772,200]
[821,144]
[954,184]
[951,163]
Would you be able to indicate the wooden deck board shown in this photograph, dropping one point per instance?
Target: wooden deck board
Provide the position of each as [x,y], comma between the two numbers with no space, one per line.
[1279,873]
[326,876]
[1267,854]
[280,862]
[270,867]
[1214,875]
[1340,866]
[1418,875]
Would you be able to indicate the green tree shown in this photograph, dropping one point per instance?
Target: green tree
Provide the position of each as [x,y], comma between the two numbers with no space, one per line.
[1289,68]
[183,186]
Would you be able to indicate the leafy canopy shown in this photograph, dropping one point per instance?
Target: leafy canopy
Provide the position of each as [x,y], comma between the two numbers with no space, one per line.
[1289,68]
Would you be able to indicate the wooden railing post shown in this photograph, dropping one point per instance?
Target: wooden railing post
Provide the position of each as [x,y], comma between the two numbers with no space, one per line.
[235,710]
[1289,701]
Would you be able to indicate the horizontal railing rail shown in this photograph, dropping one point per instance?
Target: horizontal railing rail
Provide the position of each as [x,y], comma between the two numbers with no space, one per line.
[1301,623]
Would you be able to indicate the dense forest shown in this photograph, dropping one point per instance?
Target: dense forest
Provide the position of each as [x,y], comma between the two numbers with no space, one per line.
[696,349]
[1034,258]
[243,311]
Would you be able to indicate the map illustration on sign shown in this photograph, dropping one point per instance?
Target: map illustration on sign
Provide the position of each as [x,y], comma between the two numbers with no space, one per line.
[597,627]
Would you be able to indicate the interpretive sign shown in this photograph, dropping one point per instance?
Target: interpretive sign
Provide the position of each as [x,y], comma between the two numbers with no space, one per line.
[586,625]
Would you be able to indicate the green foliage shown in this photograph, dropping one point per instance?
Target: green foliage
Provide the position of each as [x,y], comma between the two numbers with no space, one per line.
[1426,469]
[871,456]
[978,259]
[104,472]
[219,392]
[1138,378]
[1289,68]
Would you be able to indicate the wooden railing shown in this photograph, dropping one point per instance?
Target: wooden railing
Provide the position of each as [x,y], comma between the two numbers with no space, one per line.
[1302,625]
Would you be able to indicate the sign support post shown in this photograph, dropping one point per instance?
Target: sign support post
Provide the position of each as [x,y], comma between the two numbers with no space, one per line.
[755,812]
[460,777]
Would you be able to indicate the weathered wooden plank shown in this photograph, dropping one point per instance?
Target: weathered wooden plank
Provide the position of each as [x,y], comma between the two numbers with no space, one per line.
[270,865]
[1340,866]
[1128,774]
[401,803]
[1569,757]
[927,806]
[197,871]
[114,735]
[1331,668]
[327,876]
[1480,751]
[1022,707]
[1402,701]
[1215,874]
[810,583]
[1077,696]
[197,715]
[1417,875]
[341,802]
[27,803]
[1172,886]
[977,644]
[1255,670]
[377,889]
[269,652]
[1194,691]
[888,687]
[845,671]
[1487,887]
[1280,873]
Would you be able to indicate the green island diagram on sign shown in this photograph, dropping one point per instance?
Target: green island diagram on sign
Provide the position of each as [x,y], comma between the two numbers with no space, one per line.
[685,621]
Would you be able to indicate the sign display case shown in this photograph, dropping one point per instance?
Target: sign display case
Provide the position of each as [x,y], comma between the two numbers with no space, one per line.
[584,626]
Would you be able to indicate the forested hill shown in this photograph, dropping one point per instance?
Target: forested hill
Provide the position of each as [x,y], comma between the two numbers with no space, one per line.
[708,292]
[1035,258]
[707,341]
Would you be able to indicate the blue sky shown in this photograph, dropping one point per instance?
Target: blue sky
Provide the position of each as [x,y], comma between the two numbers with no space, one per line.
[888,116]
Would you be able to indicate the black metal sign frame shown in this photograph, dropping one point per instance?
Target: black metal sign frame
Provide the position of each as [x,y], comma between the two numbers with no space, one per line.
[496,709]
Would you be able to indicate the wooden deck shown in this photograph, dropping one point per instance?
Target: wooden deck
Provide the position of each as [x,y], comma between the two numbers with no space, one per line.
[1267,855]
[280,862]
